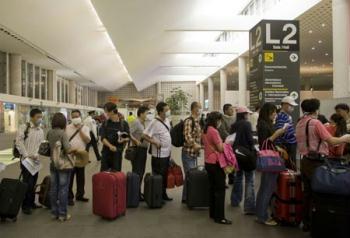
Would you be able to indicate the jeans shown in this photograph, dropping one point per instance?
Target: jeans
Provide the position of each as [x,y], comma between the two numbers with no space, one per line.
[79,173]
[139,164]
[111,160]
[94,145]
[59,192]
[268,185]
[160,166]
[216,177]
[188,162]
[237,191]
[30,180]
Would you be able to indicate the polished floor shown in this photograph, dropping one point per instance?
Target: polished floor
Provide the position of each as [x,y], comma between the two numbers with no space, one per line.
[172,221]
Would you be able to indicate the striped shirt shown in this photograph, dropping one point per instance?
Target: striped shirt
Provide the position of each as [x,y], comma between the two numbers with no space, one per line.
[289,136]
[30,146]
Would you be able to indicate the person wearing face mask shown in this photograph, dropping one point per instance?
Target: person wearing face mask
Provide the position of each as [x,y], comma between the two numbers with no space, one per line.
[228,119]
[28,140]
[79,137]
[284,120]
[158,134]
[192,145]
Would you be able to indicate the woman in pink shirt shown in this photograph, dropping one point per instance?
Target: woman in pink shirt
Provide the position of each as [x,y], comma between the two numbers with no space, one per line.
[213,145]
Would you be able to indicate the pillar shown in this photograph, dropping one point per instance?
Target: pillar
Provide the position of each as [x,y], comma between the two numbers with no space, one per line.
[198,93]
[72,92]
[223,87]
[242,81]
[52,85]
[201,94]
[211,94]
[341,48]
[15,74]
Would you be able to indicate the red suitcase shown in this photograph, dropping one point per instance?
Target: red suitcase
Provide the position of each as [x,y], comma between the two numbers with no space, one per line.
[288,199]
[109,194]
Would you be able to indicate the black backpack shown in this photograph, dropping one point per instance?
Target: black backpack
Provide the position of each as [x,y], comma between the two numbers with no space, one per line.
[15,151]
[177,133]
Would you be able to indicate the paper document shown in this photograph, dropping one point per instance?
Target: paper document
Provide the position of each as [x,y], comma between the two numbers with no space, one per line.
[33,166]
[2,167]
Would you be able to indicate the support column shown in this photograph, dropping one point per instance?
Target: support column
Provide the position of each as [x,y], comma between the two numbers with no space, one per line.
[15,68]
[52,85]
[198,93]
[341,48]
[72,91]
[242,81]
[201,94]
[223,87]
[211,94]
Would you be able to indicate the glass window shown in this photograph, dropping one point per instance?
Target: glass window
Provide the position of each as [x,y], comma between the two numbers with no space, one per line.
[66,93]
[58,90]
[43,84]
[3,72]
[30,69]
[37,82]
[24,79]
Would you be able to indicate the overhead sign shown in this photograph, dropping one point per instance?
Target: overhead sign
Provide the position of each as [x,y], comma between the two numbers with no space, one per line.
[274,62]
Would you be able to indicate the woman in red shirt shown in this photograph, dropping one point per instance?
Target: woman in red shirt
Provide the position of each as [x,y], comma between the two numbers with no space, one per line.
[212,147]
[336,128]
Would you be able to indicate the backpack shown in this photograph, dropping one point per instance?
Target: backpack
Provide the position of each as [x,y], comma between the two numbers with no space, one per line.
[177,133]
[15,151]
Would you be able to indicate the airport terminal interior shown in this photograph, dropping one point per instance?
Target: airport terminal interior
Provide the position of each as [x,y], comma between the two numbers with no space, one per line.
[72,57]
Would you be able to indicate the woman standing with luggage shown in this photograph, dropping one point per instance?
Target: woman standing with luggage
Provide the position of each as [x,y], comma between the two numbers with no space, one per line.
[337,128]
[59,178]
[212,147]
[268,182]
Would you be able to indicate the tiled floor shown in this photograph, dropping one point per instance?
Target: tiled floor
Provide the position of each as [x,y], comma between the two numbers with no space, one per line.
[173,220]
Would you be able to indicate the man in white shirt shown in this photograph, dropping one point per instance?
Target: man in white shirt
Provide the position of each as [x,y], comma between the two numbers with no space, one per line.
[158,134]
[79,137]
[91,124]
[28,140]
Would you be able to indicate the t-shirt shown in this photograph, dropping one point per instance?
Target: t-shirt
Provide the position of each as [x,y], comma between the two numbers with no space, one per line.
[289,136]
[160,133]
[109,131]
[77,142]
[136,130]
[317,133]
[210,140]
[335,150]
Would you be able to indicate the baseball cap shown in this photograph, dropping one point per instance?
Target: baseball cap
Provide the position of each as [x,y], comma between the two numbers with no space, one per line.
[243,110]
[289,100]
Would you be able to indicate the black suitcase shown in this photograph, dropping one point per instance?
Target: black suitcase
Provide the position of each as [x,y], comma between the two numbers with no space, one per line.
[133,189]
[44,192]
[330,216]
[12,193]
[197,188]
[153,190]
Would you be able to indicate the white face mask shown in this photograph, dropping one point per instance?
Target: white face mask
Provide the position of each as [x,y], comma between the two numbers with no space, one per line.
[76,121]
[290,109]
[149,117]
[168,114]
[38,122]
[200,111]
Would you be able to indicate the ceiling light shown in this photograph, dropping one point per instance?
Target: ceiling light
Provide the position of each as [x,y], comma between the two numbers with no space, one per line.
[320,42]
[313,48]
[323,25]
[326,54]
[312,60]
[331,63]
[310,31]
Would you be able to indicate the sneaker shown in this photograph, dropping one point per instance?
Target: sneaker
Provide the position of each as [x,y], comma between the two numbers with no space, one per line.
[71,203]
[167,199]
[66,218]
[271,222]
[249,213]
[82,199]
[36,206]
[27,211]
[54,217]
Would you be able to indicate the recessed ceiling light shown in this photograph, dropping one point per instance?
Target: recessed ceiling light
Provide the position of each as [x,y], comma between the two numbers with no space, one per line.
[312,60]
[323,25]
[326,54]
[320,42]
[313,48]
[310,31]
[305,62]
[331,62]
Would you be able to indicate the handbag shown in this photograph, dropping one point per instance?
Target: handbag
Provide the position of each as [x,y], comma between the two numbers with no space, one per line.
[332,178]
[81,158]
[246,158]
[60,159]
[130,152]
[44,149]
[176,171]
[269,160]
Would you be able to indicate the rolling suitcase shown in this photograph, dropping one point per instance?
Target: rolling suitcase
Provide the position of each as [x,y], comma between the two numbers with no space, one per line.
[197,188]
[44,192]
[153,190]
[133,189]
[288,199]
[330,216]
[12,193]
[109,194]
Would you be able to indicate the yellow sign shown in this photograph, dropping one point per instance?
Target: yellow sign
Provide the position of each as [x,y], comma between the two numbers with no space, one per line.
[269,57]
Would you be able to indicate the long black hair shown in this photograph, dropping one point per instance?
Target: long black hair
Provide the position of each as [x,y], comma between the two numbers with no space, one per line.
[212,120]
[340,123]
[265,113]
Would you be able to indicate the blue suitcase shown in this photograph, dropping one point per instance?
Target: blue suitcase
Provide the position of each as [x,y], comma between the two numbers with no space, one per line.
[133,190]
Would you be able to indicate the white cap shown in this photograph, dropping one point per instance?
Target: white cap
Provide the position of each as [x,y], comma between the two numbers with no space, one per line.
[243,110]
[289,100]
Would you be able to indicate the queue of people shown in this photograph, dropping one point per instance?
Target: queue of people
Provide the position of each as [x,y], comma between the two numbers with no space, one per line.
[309,135]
